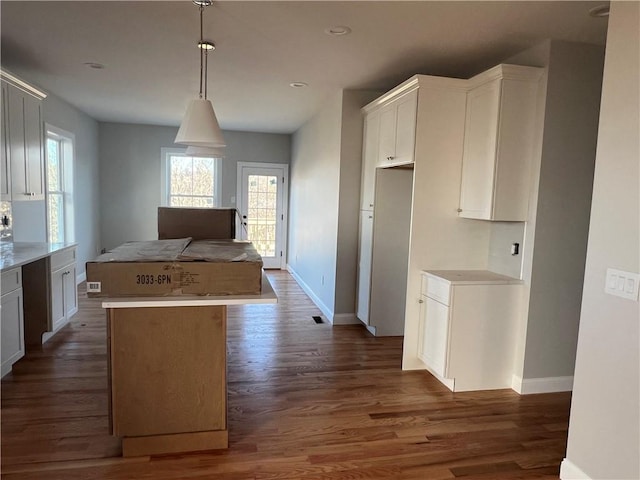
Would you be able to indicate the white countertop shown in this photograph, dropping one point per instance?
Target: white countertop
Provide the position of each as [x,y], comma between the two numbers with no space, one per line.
[267,296]
[469,277]
[19,253]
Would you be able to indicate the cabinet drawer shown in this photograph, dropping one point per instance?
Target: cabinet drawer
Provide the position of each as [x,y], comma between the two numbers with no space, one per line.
[65,257]
[436,288]
[11,280]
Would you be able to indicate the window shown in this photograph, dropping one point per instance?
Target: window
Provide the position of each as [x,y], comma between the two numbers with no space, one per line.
[190,181]
[60,210]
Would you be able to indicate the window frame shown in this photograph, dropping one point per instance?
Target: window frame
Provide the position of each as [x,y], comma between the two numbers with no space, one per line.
[165,189]
[66,152]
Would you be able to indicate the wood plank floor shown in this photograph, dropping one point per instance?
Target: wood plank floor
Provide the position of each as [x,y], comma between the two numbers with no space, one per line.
[306,401]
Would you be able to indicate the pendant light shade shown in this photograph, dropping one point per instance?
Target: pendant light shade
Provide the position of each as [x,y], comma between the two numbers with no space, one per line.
[205,152]
[200,126]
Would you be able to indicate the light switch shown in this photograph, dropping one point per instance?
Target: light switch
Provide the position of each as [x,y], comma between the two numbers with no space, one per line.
[622,284]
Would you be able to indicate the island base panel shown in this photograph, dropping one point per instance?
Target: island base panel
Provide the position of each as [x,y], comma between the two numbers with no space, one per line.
[176,443]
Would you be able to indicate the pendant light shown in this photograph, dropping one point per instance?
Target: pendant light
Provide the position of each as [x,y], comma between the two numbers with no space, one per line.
[200,126]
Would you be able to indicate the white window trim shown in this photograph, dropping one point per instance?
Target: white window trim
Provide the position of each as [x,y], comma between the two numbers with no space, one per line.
[68,179]
[164,176]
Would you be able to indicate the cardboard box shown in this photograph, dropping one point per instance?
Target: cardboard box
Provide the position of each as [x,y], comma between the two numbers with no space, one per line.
[176,267]
[197,223]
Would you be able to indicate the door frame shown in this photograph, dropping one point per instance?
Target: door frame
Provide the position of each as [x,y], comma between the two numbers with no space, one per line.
[285,201]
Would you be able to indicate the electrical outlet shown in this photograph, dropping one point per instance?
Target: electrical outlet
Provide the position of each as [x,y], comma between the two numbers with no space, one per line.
[622,284]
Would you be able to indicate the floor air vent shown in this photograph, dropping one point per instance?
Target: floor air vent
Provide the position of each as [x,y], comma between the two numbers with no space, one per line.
[317,319]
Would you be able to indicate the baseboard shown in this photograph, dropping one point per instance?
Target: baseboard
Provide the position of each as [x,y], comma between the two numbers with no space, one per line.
[346,319]
[569,471]
[81,277]
[527,386]
[314,298]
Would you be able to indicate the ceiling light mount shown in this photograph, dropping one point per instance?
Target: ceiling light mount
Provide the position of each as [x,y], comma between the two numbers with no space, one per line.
[199,127]
[298,84]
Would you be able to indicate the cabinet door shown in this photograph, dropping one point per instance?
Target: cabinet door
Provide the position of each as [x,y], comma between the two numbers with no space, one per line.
[25,143]
[398,131]
[364,265]
[5,170]
[33,147]
[435,335]
[479,157]
[70,291]
[406,128]
[57,299]
[369,159]
[17,152]
[12,329]
[387,135]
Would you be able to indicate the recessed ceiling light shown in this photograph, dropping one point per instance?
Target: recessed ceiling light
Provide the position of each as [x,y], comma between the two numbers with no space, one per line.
[600,11]
[95,66]
[338,30]
[206,45]
[298,84]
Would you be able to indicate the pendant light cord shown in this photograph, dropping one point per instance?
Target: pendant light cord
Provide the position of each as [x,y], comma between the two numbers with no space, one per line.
[206,70]
[201,52]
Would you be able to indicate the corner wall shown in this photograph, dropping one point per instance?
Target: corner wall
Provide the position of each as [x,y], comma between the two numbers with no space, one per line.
[604,427]
[562,213]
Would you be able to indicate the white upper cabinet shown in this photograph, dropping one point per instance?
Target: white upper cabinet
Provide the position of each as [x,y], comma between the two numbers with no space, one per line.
[369,160]
[22,140]
[397,134]
[500,131]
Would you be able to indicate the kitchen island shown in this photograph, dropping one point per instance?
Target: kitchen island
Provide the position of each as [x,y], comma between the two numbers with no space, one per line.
[167,370]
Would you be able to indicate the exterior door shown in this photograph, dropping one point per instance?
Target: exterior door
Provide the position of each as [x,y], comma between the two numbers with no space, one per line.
[262,194]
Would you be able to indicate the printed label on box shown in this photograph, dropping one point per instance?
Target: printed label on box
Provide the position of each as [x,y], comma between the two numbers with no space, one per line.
[94,287]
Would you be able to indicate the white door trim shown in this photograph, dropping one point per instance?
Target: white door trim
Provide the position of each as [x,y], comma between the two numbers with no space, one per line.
[285,200]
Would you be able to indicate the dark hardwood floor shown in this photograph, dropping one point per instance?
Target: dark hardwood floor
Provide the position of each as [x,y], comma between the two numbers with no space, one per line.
[306,401]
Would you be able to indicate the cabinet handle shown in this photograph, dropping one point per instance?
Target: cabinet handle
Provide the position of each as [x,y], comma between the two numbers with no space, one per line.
[371,204]
[420,301]
[30,194]
[459,210]
[370,216]
[390,158]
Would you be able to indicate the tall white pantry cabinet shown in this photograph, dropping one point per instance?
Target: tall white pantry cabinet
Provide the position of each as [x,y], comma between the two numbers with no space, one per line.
[398,138]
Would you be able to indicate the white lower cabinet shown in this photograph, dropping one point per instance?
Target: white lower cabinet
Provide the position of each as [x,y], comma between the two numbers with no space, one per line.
[364,265]
[64,293]
[12,319]
[467,328]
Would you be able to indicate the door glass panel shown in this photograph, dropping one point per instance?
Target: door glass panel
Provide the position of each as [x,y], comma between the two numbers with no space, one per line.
[261,218]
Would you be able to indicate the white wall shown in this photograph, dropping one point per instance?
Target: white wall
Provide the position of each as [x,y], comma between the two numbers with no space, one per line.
[30,217]
[130,172]
[314,203]
[557,225]
[324,204]
[562,213]
[503,236]
[604,428]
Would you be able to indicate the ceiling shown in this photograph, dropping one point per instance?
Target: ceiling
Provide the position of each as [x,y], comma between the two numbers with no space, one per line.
[152,62]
